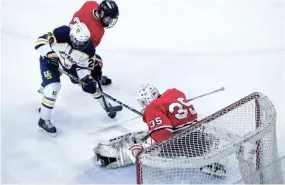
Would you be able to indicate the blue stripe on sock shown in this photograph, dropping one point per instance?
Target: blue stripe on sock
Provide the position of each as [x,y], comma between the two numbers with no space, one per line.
[50,99]
[47,106]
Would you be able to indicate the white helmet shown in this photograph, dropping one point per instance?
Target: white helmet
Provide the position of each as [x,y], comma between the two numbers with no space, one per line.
[79,36]
[147,94]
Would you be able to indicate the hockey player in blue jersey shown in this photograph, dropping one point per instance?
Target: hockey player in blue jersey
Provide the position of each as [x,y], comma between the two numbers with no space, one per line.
[69,49]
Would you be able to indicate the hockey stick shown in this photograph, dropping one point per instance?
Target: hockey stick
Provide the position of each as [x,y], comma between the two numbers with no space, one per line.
[104,94]
[122,104]
[109,109]
[212,92]
[139,113]
[128,107]
[215,91]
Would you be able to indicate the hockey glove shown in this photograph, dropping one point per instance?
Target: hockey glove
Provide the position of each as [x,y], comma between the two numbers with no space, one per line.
[53,60]
[89,85]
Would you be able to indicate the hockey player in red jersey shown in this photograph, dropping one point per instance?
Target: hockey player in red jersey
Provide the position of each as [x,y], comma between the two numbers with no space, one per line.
[167,113]
[97,17]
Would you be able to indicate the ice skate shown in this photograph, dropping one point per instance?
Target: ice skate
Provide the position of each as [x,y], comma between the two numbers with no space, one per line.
[105,80]
[216,169]
[47,127]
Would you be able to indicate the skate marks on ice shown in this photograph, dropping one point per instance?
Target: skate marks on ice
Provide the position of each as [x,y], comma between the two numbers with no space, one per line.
[39,155]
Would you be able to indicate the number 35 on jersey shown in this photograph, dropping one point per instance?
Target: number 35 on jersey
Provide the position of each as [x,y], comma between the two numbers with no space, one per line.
[170,110]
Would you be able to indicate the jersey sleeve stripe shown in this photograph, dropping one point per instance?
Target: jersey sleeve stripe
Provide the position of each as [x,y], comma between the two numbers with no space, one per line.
[184,126]
[38,46]
[169,128]
[44,37]
[42,41]
[53,36]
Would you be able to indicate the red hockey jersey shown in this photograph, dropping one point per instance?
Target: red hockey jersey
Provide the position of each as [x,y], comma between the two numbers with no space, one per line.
[169,114]
[85,15]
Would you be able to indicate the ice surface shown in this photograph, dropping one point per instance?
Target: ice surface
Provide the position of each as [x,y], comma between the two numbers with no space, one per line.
[193,45]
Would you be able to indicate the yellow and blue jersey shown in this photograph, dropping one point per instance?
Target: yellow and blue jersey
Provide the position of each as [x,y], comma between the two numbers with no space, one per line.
[58,42]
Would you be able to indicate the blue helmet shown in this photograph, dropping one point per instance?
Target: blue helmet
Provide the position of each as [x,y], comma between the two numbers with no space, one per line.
[108,13]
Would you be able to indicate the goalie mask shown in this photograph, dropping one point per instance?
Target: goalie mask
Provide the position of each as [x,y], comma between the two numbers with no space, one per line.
[79,36]
[147,94]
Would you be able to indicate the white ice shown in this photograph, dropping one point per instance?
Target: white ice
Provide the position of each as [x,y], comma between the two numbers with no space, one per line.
[193,45]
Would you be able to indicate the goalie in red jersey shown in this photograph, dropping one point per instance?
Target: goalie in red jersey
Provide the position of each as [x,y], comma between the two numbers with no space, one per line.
[98,17]
[165,115]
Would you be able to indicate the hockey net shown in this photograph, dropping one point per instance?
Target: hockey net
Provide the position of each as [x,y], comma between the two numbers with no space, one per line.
[220,138]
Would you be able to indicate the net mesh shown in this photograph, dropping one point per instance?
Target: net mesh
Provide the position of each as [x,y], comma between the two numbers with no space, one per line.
[214,150]
[278,174]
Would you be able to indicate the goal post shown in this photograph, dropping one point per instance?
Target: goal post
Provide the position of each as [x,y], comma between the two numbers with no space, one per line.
[241,137]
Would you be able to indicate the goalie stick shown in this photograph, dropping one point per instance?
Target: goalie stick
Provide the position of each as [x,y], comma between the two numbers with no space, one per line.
[206,94]
[191,99]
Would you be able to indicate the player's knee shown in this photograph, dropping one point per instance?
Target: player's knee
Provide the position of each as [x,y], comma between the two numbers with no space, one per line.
[51,90]
[50,94]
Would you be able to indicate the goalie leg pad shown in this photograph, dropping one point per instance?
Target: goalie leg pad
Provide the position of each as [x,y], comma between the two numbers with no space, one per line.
[104,161]
[113,153]
[111,156]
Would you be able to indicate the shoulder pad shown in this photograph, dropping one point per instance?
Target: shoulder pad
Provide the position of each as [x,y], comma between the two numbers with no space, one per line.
[90,50]
[61,34]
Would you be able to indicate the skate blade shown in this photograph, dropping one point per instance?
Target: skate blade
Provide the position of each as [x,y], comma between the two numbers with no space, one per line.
[219,176]
[43,131]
